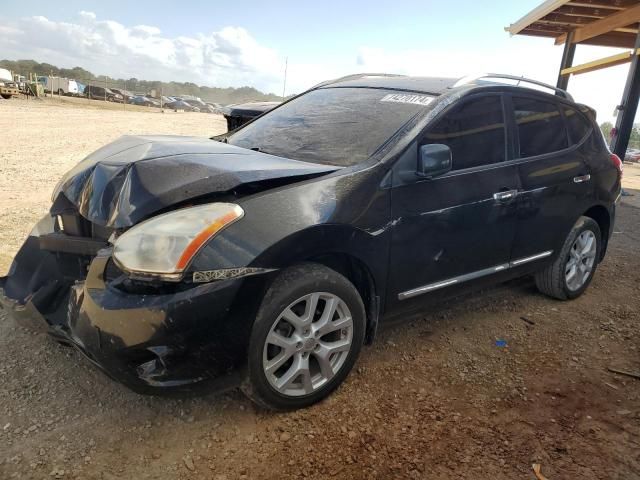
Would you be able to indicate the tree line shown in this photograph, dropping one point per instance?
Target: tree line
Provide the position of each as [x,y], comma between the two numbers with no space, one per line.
[209,94]
[634,140]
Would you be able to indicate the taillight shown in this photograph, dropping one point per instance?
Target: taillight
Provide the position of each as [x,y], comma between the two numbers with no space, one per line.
[615,159]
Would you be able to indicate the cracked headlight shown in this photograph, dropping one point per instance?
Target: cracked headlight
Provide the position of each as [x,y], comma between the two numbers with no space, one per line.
[164,246]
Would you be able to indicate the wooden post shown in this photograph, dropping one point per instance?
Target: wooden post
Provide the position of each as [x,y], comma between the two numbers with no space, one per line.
[628,107]
[566,62]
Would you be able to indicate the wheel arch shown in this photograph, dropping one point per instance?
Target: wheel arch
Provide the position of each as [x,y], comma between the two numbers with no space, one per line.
[354,253]
[602,217]
[359,274]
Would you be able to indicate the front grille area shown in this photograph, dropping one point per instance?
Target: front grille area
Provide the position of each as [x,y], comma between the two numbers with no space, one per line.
[70,222]
[73,224]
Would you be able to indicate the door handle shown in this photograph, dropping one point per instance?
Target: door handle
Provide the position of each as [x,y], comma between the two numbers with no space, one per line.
[581,178]
[505,196]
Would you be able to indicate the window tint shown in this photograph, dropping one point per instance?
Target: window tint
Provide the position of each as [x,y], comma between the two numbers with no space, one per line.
[577,124]
[474,132]
[540,127]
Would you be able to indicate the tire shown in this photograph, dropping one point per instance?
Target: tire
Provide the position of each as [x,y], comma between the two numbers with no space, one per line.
[293,293]
[60,92]
[553,280]
[6,96]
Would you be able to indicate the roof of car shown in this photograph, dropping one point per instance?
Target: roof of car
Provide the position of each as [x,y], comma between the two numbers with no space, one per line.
[438,85]
[434,85]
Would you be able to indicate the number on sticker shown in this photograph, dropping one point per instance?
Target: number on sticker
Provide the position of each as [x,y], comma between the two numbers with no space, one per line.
[405,98]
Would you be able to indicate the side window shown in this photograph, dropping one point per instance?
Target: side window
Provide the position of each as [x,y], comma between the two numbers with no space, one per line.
[474,131]
[540,127]
[577,124]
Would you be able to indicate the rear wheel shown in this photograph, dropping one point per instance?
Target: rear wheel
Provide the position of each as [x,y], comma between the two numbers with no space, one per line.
[306,338]
[6,96]
[572,271]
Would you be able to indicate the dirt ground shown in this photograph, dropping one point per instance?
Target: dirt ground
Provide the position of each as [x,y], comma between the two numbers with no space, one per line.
[433,398]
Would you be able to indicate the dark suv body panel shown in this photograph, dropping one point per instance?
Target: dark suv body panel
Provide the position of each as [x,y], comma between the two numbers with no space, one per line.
[402,240]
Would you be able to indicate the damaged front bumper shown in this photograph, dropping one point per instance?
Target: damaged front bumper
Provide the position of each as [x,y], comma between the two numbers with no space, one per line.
[187,338]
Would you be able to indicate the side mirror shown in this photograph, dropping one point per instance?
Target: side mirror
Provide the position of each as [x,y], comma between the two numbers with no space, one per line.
[433,160]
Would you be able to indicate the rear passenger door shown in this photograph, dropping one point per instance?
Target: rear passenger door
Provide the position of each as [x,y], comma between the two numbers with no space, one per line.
[554,176]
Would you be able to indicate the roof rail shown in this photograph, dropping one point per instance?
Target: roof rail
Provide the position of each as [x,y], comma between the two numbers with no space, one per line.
[557,91]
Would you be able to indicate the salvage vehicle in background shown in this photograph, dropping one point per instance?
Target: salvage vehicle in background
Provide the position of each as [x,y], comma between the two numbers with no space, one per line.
[8,87]
[239,114]
[144,101]
[266,257]
[632,155]
[179,104]
[126,94]
[59,85]
[200,105]
[101,93]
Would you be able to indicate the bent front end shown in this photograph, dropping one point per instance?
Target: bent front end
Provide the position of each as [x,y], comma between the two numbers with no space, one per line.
[151,337]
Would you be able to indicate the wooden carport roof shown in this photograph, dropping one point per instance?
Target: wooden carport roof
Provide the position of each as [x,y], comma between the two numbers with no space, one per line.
[609,23]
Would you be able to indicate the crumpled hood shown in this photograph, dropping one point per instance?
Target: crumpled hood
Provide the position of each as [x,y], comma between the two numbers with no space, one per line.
[136,176]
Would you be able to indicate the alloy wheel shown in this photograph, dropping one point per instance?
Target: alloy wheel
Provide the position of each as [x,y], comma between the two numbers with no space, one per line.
[308,344]
[582,257]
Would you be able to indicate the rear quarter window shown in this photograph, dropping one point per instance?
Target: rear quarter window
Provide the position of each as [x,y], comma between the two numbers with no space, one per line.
[577,124]
[541,129]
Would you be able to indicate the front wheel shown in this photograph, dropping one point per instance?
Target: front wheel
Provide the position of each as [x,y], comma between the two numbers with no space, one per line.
[573,269]
[306,338]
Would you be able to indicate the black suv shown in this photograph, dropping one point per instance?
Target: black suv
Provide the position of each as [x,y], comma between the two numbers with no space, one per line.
[239,114]
[266,257]
[101,93]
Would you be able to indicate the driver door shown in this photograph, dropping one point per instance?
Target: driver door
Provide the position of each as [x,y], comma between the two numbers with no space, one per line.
[459,226]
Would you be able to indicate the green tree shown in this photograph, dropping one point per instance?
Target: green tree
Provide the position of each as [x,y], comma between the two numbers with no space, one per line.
[606,128]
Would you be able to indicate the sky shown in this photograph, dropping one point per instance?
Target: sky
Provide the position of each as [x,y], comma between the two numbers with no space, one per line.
[233,44]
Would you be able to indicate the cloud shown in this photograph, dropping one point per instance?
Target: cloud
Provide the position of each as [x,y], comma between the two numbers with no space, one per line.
[231,56]
[528,57]
[228,57]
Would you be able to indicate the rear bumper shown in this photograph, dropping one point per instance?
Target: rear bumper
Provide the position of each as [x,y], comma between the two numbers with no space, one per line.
[190,339]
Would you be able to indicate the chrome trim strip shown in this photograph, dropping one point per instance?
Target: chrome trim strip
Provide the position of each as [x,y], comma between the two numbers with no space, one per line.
[537,256]
[471,276]
[451,281]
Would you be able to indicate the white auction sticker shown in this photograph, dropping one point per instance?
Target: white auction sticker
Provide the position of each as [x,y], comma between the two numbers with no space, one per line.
[407,98]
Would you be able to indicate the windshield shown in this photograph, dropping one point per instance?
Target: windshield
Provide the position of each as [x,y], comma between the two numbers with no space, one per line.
[334,126]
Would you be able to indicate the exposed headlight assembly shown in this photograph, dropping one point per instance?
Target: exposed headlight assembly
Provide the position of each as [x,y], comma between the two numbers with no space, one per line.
[164,246]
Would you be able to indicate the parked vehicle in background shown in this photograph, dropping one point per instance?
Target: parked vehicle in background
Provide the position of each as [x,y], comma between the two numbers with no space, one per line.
[20,81]
[101,93]
[144,101]
[239,114]
[166,100]
[216,106]
[59,85]
[632,155]
[8,87]
[126,94]
[179,104]
[200,105]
